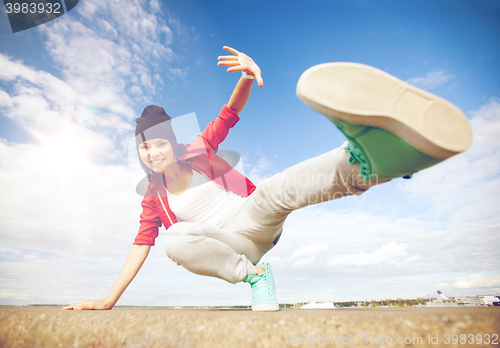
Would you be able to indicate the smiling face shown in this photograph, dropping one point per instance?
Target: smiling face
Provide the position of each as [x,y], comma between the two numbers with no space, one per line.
[156,154]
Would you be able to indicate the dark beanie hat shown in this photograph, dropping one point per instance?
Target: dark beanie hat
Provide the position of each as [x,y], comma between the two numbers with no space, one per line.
[154,123]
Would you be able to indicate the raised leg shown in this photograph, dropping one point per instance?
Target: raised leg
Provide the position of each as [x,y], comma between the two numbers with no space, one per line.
[319,179]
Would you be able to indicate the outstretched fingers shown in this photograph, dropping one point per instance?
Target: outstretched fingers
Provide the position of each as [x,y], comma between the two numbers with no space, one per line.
[260,81]
[227,62]
[227,58]
[75,307]
[240,62]
[232,50]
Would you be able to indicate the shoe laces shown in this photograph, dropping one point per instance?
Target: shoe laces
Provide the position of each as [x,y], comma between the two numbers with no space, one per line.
[262,285]
[357,156]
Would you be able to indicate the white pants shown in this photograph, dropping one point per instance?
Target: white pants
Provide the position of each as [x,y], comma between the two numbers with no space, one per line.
[231,250]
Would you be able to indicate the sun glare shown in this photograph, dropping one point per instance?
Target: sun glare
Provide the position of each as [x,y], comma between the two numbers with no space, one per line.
[65,150]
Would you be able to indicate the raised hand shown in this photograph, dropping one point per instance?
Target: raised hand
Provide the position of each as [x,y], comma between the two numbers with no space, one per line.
[239,61]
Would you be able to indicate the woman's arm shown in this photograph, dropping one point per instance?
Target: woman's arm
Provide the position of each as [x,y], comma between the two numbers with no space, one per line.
[240,95]
[135,259]
[241,62]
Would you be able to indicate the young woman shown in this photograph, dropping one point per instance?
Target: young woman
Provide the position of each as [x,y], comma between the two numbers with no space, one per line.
[220,225]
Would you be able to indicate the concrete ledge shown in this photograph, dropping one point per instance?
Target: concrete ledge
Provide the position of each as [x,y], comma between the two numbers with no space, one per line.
[124,327]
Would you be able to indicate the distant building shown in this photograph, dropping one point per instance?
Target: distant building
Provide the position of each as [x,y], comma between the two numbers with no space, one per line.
[467,301]
[319,305]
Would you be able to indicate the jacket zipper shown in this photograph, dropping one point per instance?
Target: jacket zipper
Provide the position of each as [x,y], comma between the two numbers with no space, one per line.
[163,205]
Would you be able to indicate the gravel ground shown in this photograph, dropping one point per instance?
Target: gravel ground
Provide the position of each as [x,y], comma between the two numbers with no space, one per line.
[132,327]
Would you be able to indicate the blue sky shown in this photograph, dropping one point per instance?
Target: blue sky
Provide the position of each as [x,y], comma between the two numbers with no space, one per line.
[71,89]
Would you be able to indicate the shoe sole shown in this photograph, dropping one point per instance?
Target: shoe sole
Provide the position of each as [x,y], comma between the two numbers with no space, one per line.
[363,95]
[266,308]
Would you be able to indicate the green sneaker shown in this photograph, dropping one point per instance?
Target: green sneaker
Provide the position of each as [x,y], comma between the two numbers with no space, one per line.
[263,290]
[394,129]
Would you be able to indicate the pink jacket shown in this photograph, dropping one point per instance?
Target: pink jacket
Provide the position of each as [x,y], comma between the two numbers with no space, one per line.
[201,156]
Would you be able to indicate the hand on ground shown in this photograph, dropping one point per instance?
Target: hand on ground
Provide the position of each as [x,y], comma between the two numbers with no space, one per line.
[86,305]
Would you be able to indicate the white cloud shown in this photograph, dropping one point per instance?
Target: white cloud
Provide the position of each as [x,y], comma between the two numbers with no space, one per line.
[431,80]
[39,101]
[259,171]
[478,281]
[180,73]
[46,206]
[389,254]
[319,237]
[305,256]
[307,262]
[109,47]
[5,99]
[443,286]
[309,250]
[155,5]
